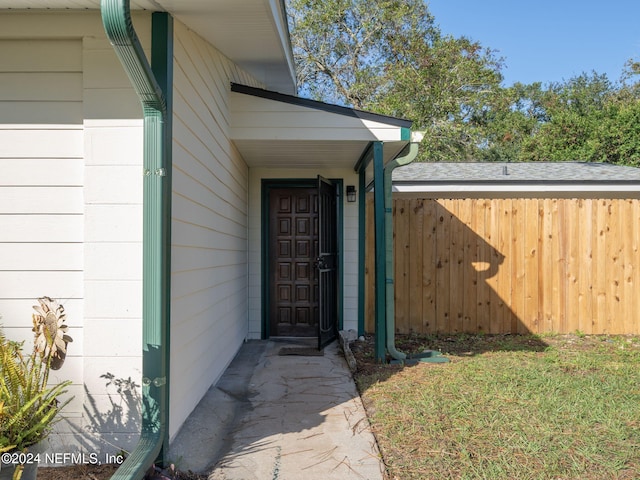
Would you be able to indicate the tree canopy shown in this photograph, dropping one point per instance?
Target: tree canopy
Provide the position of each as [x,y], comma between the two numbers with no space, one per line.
[585,118]
[390,57]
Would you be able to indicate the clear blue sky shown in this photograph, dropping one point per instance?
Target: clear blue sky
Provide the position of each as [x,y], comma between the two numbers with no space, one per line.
[547,40]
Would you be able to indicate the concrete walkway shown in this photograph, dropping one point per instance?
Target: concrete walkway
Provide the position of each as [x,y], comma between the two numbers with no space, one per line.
[280,417]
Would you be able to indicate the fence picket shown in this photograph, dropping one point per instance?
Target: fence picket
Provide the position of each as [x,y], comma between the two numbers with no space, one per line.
[416,264]
[468,212]
[401,270]
[514,265]
[429,261]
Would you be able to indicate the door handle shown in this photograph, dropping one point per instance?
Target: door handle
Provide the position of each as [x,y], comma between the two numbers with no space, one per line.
[321,263]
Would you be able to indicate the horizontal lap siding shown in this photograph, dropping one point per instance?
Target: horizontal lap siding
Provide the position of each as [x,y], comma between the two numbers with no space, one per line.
[41,177]
[41,192]
[253,119]
[40,83]
[113,244]
[71,209]
[209,225]
[514,265]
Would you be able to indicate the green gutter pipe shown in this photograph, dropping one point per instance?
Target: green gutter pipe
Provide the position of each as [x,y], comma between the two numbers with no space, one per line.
[116,17]
[429,356]
[388,226]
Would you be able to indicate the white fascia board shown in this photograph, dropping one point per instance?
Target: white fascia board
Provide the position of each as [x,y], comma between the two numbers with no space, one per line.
[514,189]
[279,17]
[383,132]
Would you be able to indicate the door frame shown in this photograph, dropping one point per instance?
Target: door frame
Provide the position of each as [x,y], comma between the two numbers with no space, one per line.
[267,185]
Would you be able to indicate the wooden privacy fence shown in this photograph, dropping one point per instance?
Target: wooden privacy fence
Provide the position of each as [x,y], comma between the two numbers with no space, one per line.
[513,265]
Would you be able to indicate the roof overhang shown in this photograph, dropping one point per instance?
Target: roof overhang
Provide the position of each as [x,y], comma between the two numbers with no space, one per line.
[275,130]
[252,33]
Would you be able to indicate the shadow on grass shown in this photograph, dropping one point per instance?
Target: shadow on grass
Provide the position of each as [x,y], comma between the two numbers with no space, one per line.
[450,345]
[509,406]
[467,345]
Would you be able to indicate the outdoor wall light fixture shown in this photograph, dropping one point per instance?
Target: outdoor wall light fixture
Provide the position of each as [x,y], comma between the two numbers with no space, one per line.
[351,193]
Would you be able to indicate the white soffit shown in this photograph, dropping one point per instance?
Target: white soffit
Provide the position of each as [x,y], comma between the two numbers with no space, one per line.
[309,154]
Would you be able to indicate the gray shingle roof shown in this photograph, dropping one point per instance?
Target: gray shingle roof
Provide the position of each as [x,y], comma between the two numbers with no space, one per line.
[507,172]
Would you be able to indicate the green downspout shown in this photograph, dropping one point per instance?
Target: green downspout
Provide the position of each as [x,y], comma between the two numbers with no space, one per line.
[116,18]
[388,226]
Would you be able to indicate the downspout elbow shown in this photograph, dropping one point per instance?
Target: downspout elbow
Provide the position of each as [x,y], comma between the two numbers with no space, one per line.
[401,161]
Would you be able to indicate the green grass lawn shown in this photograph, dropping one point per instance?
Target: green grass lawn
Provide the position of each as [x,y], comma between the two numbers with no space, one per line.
[508,407]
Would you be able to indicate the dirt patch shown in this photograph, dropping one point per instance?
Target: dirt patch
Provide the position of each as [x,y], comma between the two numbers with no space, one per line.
[104,472]
[78,472]
[463,345]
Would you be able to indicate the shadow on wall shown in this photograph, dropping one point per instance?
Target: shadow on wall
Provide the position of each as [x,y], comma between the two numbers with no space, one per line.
[120,417]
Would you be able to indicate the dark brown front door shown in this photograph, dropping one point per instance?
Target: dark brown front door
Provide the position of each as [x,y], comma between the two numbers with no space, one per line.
[293,249]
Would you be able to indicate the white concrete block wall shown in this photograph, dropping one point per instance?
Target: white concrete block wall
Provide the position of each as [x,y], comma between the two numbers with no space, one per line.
[71,209]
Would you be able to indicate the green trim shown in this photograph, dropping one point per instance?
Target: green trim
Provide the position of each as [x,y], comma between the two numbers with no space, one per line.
[340,226]
[264,264]
[365,158]
[362,245]
[405,134]
[267,185]
[380,252]
[116,18]
[162,68]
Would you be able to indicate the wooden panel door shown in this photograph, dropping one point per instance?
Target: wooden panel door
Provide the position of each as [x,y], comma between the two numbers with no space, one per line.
[293,240]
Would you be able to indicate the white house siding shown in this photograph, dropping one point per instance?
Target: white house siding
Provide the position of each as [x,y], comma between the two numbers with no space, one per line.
[113,244]
[70,209]
[254,120]
[209,279]
[350,238]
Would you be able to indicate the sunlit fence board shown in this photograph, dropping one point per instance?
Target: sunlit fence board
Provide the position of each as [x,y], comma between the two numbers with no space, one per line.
[513,265]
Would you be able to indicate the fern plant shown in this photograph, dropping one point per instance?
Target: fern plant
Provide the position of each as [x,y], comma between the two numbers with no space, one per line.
[28,404]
